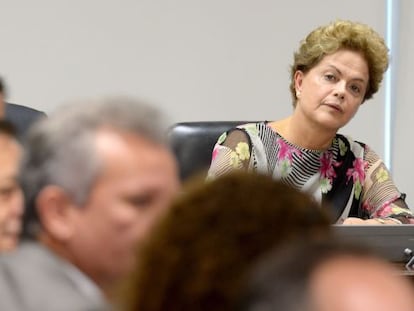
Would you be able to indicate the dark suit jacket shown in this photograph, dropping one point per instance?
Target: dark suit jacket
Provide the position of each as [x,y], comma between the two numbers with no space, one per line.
[22,117]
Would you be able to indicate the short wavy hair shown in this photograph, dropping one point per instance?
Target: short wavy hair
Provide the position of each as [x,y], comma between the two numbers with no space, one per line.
[198,254]
[343,35]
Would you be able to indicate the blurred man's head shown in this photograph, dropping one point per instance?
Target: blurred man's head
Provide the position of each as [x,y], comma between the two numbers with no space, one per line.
[97,175]
[11,196]
[324,276]
[352,283]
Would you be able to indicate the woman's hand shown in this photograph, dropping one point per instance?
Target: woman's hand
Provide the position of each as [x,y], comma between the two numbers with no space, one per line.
[372,221]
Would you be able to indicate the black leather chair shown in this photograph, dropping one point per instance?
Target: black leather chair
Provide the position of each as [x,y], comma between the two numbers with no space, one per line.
[193,142]
[22,117]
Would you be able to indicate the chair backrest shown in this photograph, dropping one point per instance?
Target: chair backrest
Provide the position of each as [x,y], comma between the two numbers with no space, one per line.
[22,117]
[193,142]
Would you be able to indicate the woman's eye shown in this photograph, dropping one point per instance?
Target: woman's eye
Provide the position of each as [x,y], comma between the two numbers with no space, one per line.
[329,77]
[355,89]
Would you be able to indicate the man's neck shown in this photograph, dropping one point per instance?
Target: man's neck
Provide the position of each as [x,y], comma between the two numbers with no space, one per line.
[58,248]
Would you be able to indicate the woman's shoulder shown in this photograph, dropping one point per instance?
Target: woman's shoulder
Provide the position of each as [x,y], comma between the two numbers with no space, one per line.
[250,132]
[350,140]
[253,128]
[347,142]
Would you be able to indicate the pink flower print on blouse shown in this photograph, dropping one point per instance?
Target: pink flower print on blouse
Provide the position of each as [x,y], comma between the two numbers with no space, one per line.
[218,146]
[215,152]
[384,211]
[388,209]
[357,172]
[285,157]
[368,207]
[327,171]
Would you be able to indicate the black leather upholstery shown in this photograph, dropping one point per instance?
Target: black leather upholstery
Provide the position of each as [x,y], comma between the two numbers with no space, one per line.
[193,142]
[22,117]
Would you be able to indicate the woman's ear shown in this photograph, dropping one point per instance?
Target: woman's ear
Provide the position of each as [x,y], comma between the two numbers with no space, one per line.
[55,210]
[298,78]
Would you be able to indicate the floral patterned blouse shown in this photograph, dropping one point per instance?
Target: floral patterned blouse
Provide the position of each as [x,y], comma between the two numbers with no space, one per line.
[349,176]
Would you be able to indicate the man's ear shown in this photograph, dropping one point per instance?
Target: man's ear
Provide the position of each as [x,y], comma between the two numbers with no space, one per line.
[55,209]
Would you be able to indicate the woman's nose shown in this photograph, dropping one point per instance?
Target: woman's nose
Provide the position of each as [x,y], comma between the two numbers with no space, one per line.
[339,95]
[340,90]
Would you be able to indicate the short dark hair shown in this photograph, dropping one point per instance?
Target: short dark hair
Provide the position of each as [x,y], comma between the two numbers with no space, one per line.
[348,35]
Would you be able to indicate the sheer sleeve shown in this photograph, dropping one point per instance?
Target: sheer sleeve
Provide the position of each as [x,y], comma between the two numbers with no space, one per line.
[231,152]
[380,196]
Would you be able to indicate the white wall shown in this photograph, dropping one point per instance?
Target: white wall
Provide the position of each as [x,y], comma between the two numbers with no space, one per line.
[403,151]
[197,59]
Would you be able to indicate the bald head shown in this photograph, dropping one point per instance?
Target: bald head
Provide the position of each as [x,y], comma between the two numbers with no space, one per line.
[352,283]
[327,275]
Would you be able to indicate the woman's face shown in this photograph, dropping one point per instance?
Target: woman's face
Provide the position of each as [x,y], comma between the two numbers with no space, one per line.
[330,94]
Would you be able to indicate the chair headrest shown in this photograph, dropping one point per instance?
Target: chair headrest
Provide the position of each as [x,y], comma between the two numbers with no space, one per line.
[193,142]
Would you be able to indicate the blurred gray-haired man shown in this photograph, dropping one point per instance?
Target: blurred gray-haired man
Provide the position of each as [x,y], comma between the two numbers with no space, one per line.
[96,176]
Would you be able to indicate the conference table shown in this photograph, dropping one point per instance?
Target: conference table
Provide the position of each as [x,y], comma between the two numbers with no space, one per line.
[393,242]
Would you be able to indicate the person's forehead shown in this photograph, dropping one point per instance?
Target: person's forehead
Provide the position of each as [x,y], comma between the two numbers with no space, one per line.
[123,152]
[130,168]
[349,263]
[8,145]
[353,60]
[352,283]
[9,160]
[112,141]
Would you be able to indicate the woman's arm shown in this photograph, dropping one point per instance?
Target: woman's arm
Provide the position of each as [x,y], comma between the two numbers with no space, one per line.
[381,199]
[231,152]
